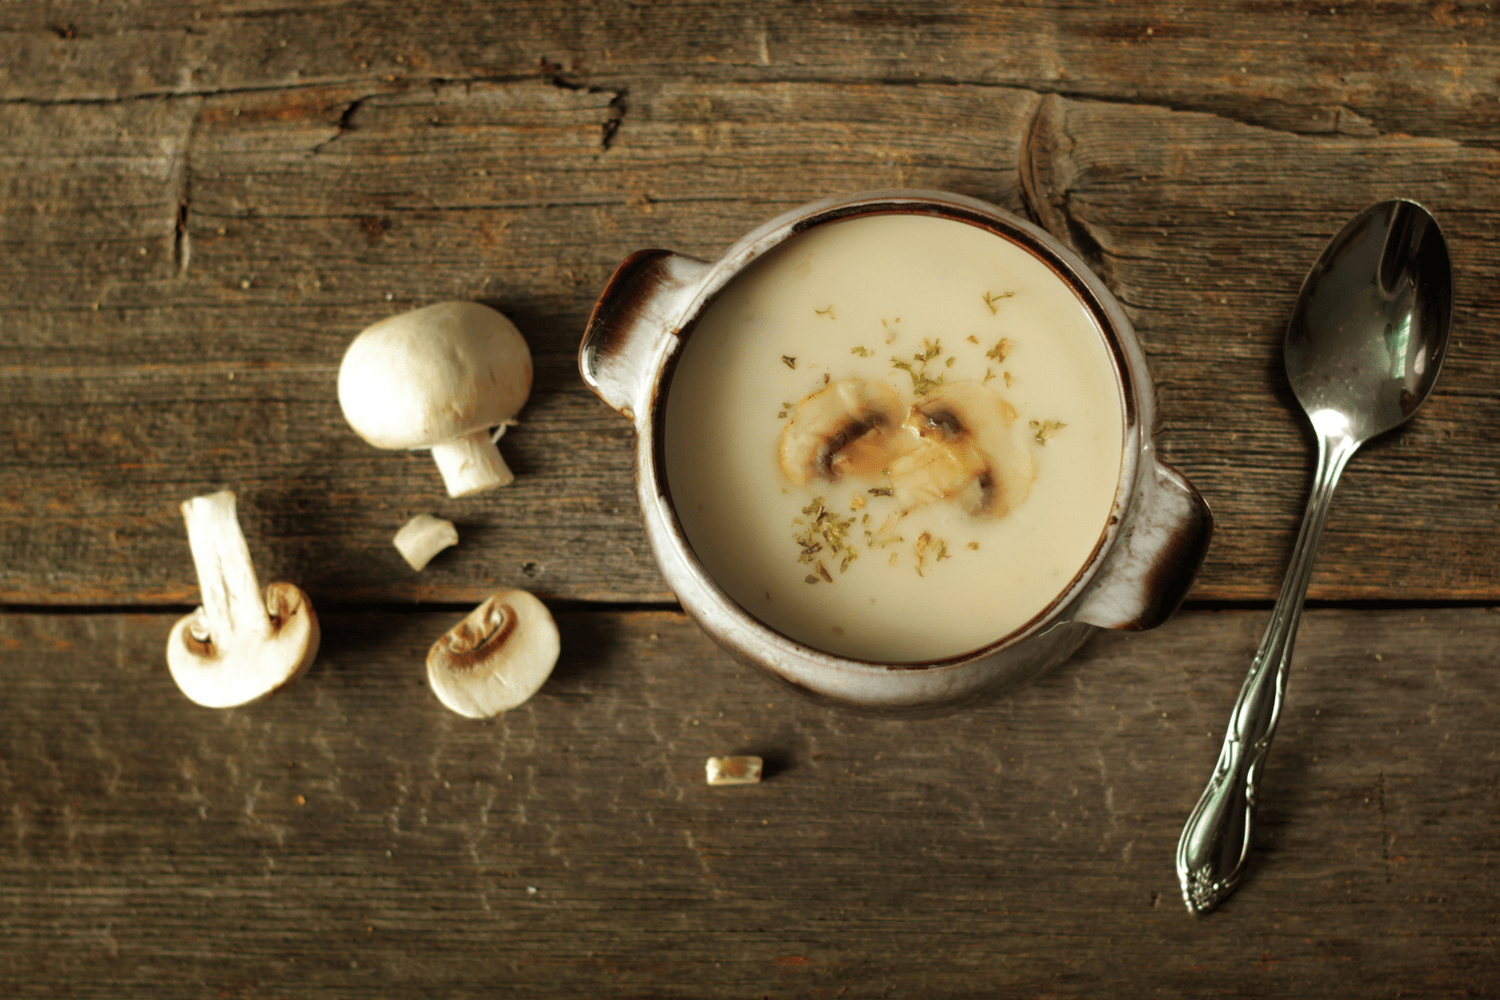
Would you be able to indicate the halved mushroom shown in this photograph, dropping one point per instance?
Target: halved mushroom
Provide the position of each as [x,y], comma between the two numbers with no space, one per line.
[241,644]
[496,658]
[843,428]
[969,449]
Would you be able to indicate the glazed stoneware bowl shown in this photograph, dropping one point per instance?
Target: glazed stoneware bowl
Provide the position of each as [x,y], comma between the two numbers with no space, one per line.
[1140,568]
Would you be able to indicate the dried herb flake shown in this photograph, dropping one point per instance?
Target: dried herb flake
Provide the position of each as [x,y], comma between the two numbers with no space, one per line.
[825,530]
[1045,429]
[990,298]
[921,382]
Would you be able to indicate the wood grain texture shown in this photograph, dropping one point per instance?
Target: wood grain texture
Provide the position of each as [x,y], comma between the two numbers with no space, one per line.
[200,204]
[1204,229]
[182,276]
[351,836]
[211,357]
[1329,67]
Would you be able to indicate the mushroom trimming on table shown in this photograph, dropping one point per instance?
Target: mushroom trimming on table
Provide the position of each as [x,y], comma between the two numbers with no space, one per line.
[423,537]
[241,644]
[443,377]
[741,770]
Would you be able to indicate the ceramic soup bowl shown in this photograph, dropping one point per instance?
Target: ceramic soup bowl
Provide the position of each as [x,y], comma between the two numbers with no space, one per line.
[826,304]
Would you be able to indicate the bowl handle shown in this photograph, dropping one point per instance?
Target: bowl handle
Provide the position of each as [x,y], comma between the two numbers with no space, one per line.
[641,307]
[1155,556]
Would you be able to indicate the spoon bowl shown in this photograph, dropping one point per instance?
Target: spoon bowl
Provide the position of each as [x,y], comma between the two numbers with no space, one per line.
[1370,328]
[1362,351]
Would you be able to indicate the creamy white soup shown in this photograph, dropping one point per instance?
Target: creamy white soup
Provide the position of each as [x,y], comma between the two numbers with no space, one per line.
[894,438]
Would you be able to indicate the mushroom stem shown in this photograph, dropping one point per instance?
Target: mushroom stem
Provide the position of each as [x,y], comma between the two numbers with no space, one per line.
[241,643]
[233,608]
[423,537]
[471,463]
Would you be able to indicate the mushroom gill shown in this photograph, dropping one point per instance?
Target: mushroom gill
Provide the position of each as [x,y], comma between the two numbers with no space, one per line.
[496,658]
[964,445]
[844,428]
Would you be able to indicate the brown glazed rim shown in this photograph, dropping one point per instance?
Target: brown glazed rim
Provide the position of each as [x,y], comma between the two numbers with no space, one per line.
[1069,269]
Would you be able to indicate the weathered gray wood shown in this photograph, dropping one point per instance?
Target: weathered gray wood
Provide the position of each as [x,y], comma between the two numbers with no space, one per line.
[212,360]
[1344,68]
[200,204]
[233,243]
[1204,229]
[351,836]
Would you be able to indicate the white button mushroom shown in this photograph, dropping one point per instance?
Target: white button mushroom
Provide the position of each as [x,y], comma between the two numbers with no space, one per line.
[240,645]
[496,658]
[439,377]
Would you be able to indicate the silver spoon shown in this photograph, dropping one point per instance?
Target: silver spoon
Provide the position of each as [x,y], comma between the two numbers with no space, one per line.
[1362,351]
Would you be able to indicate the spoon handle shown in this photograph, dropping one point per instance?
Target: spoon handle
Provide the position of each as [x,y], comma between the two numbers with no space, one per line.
[1215,843]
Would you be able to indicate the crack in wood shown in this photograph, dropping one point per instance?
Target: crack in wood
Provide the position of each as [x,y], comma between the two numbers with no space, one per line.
[344,125]
[346,120]
[182,243]
[615,111]
[505,205]
[1030,188]
[182,246]
[171,95]
[1054,211]
[617,108]
[1363,127]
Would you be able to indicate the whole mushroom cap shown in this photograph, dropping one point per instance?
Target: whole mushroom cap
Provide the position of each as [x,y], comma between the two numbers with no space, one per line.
[434,374]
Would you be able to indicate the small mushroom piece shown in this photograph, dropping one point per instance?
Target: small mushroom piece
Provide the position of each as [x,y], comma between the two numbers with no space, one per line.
[733,770]
[496,658]
[423,537]
[843,428]
[969,449]
[240,645]
[439,377]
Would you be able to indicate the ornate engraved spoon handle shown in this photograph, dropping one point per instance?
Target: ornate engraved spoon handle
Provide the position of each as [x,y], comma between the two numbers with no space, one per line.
[1215,843]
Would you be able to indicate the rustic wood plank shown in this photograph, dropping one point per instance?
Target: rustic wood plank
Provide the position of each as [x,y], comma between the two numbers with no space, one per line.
[350,835]
[198,207]
[1204,229]
[1332,67]
[233,244]
[213,362]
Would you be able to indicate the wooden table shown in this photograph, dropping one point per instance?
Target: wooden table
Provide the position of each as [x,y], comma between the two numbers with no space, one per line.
[200,205]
